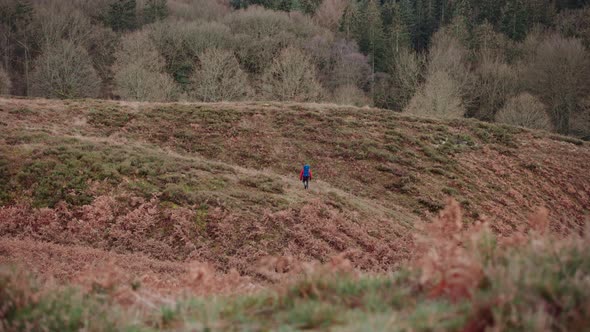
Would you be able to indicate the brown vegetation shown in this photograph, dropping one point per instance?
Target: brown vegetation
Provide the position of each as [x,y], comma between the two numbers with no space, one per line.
[525,110]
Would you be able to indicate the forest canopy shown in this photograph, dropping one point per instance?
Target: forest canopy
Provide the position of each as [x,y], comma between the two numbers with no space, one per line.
[495,60]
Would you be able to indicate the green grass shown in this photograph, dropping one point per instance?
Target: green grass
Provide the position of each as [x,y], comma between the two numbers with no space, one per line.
[52,169]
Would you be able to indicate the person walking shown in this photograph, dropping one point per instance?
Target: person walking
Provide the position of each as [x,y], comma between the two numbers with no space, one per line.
[305,175]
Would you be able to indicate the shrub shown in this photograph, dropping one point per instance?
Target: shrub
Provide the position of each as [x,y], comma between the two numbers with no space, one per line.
[219,77]
[525,110]
[5,83]
[291,76]
[64,70]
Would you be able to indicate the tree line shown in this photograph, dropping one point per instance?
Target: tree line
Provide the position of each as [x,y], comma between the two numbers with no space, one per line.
[522,62]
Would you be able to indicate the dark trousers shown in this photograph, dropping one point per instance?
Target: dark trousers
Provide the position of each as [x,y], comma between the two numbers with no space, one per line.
[305,182]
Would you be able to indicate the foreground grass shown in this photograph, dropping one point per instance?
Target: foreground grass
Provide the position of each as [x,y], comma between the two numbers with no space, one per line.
[539,284]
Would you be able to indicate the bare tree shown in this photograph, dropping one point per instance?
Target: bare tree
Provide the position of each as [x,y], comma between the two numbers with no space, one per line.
[407,75]
[139,71]
[208,35]
[558,73]
[495,82]
[525,110]
[209,10]
[135,82]
[440,97]
[261,34]
[64,70]
[575,23]
[5,83]
[349,66]
[291,76]
[57,20]
[580,122]
[219,77]
[450,55]
[329,14]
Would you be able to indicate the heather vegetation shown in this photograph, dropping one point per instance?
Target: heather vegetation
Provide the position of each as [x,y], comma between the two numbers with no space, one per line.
[160,216]
[149,154]
[434,58]
[462,278]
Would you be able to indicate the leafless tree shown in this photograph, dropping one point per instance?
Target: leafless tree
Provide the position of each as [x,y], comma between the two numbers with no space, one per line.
[349,66]
[5,83]
[219,77]
[350,95]
[209,10]
[525,110]
[407,75]
[558,73]
[139,71]
[64,70]
[329,13]
[135,82]
[440,97]
[291,76]
[495,82]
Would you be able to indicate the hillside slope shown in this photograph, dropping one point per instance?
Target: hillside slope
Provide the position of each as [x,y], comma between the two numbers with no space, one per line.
[218,183]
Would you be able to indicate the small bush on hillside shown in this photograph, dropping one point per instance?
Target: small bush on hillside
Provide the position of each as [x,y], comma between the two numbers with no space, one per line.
[525,110]
[440,97]
[291,76]
[219,77]
[5,83]
[64,70]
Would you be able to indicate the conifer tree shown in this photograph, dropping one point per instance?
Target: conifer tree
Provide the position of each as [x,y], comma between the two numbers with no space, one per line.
[514,19]
[121,15]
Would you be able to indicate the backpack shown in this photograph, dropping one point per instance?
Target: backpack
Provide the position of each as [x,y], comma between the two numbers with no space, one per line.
[306,170]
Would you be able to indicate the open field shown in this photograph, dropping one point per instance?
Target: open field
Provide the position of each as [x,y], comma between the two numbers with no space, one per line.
[188,216]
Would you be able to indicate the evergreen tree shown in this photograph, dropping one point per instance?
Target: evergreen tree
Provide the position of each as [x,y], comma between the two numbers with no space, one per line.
[407,17]
[425,20]
[154,10]
[488,10]
[351,20]
[514,20]
[399,33]
[121,15]
[372,36]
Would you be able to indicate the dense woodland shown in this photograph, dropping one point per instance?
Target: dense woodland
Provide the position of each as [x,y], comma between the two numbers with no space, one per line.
[522,62]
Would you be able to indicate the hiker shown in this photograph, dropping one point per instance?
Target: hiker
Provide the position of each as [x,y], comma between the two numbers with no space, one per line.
[305,176]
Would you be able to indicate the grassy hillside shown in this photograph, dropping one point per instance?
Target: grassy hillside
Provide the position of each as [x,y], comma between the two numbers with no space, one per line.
[168,196]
